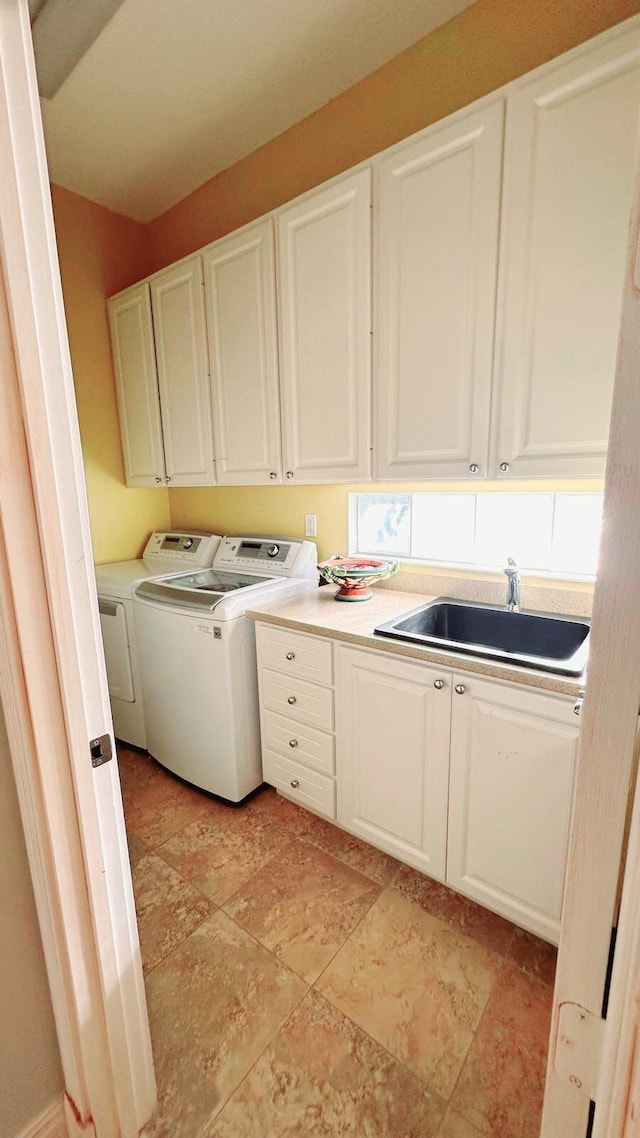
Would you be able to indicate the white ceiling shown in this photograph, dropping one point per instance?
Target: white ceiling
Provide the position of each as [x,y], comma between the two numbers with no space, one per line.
[173,91]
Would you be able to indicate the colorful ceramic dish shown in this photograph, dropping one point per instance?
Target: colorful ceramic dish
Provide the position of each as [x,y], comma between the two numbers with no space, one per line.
[354,575]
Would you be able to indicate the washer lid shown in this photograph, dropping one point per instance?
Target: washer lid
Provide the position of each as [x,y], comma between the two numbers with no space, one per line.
[202,590]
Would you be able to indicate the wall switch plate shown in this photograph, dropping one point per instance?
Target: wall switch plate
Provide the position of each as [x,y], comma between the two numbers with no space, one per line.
[310,525]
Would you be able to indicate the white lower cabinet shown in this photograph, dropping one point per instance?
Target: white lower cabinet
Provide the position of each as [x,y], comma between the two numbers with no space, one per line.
[392,735]
[469,780]
[513,753]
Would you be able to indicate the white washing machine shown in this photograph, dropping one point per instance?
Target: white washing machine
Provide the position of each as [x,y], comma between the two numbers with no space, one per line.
[164,553]
[198,659]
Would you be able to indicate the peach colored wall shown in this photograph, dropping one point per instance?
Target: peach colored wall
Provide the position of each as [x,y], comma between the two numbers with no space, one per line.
[100,253]
[484,47]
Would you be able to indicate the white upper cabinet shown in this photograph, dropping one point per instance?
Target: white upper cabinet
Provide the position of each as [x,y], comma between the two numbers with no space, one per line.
[324,251]
[177,300]
[136,386]
[570,141]
[437,209]
[240,284]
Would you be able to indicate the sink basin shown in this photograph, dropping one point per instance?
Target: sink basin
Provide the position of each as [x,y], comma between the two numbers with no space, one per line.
[529,639]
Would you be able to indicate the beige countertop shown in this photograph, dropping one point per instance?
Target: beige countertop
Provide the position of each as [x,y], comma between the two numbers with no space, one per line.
[318,613]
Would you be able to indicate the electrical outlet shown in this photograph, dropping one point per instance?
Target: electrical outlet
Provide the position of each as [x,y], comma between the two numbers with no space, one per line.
[310,525]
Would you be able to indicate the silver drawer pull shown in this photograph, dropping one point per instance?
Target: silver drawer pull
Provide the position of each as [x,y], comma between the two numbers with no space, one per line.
[295,782]
[291,699]
[293,742]
[291,655]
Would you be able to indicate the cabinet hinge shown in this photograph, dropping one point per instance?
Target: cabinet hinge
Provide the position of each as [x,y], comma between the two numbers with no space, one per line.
[579,1048]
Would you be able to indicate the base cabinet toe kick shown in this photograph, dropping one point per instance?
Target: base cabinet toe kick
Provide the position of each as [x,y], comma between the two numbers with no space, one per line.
[465,778]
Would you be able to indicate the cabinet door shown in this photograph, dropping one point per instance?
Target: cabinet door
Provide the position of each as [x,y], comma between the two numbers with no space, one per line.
[438,205]
[177,298]
[239,274]
[513,755]
[392,755]
[570,144]
[134,364]
[324,247]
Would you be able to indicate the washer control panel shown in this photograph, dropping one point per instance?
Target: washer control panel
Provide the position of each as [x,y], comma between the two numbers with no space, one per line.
[281,557]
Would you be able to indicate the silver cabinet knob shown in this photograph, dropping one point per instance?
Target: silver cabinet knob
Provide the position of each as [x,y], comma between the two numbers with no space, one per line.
[505,467]
[295,782]
[460,689]
[168,478]
[438,684]
[157,481]
[474,468]
[291,655]
[272,474]
[289,473]
[577,707]
[291,699]
[293,742]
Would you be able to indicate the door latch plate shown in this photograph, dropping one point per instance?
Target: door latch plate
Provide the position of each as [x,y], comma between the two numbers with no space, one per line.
[100,750]
[578,1048]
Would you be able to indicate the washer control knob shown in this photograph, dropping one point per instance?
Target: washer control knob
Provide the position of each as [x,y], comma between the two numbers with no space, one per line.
[273,550]
[295,782]
[188,543]
[291,655]
[291,699]
[438,684]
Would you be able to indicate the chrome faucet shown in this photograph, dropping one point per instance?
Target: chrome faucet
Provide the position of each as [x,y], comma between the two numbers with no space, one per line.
[513,585]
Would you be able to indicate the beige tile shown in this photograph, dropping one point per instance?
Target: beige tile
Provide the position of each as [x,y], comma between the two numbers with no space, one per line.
[351,850]
[168,908]
[220,853]
[323,1076]
[460,912]
[158,806]
[415,984]
[137,849]
[501,1087]
[214,1005]
[534,956]
[455,1126]
[302,906]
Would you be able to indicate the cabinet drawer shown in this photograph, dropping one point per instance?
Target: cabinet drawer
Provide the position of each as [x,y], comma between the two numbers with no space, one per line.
[299,742]
[303,786]
[308,657]
[297,699]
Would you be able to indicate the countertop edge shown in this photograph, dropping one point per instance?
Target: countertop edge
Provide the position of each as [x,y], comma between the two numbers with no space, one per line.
[474,665]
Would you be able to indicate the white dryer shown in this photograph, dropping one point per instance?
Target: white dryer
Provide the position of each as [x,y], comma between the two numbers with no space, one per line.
[164,553]
[198,659]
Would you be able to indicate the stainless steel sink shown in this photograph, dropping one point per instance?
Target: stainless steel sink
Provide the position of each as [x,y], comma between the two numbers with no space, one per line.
[529,639]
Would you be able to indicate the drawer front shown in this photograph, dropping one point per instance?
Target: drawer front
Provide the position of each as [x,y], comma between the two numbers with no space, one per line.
[307,657]
[299,742]
[297,699]
[303,786]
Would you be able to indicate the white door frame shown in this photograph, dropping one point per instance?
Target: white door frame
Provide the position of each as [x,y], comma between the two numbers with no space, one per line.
[605,763]
[52,677]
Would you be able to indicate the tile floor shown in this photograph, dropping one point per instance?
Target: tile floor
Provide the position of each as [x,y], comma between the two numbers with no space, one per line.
[302,983]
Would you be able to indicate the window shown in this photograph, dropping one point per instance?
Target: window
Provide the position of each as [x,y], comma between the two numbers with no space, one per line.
[555,534]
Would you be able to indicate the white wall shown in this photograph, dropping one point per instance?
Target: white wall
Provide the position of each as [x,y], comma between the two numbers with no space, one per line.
[30,1074]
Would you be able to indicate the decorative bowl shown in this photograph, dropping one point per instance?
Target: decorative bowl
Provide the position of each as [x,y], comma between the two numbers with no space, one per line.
[354,575]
